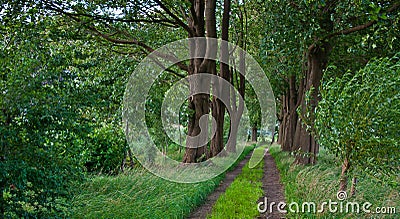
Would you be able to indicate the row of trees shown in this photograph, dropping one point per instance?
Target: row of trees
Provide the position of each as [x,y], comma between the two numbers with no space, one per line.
[303,39]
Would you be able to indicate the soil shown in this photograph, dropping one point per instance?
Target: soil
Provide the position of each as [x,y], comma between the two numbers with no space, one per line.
[273,189]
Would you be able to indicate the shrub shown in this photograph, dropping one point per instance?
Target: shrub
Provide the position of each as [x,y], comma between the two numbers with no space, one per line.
[105,149]
[358,118]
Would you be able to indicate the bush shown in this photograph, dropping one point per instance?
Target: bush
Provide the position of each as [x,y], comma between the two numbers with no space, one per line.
[38,189]
[358,118]
[105,149]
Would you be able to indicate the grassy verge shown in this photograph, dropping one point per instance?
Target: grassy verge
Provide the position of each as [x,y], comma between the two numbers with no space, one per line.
[319,183]
[240,199]
[139,194]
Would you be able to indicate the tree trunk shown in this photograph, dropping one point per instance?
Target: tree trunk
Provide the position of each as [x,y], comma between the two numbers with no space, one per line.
[198,103]
[273,135]
[290,115]
[353,186]
[343,176]
[218,107]
[317,59]
[194,151]
[282,122]
[237,110]
[282,127]
[254,134]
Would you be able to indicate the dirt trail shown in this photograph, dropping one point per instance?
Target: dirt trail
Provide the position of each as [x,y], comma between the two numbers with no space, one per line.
[273,189]
[205,209]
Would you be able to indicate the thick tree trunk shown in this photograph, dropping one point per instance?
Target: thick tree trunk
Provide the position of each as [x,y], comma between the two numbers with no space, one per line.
[195,152]
[218,107]
[254,134]
[198,103]
[290,115]
[317,60]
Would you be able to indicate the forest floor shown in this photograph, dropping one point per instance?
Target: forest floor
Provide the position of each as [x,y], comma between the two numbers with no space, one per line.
[273,189]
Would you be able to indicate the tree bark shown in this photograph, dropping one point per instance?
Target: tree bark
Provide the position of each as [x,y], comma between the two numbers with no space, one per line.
[254,134]
[198,103]
[282,121]
[218,107]
[317,59]
[290,115]
[353,186]
[237,110]
[343,175]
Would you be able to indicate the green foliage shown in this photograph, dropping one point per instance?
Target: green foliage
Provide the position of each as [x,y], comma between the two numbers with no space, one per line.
[359,118]
[105,149]
[59,110]
[153,112]
[253,106]
[35,191]
[290,28]
[37,159]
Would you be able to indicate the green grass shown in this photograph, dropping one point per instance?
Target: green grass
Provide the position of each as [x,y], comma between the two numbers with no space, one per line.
[240,199]
[320,182]
[139,194]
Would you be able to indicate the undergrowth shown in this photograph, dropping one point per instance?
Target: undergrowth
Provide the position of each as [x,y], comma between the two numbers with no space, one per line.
[320,183]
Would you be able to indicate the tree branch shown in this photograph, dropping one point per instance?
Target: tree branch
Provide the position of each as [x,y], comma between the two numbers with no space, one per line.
[361,27]
[110,38]
[167,69]
[176,18]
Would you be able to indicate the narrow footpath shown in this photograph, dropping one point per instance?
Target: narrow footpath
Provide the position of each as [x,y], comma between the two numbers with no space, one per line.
[272,187]
[205,209]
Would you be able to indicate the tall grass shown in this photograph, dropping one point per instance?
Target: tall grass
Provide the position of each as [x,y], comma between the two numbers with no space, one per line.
[320,183]
[139,194]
